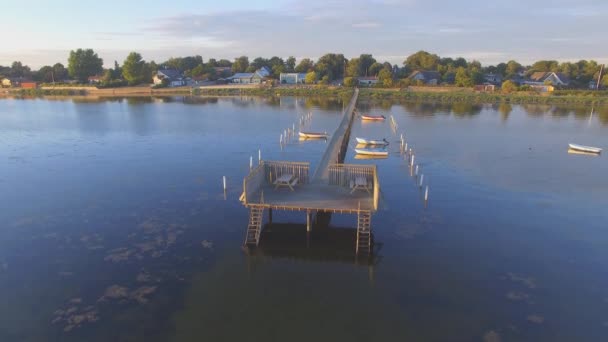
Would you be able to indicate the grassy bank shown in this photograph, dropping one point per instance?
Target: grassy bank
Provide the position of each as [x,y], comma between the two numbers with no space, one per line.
[457,95]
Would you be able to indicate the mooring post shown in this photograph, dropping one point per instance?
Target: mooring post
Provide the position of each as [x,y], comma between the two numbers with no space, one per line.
[426,194]
[416,173]
[421,180]
[224,182]
[259,156]
[250,163]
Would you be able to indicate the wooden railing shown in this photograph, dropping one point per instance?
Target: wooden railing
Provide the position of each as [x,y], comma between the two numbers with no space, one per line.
[275,169]
[253,182]
[267,172]
[345,174]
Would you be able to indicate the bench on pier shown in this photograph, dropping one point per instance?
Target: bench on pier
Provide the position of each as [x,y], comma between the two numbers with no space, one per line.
[286,180]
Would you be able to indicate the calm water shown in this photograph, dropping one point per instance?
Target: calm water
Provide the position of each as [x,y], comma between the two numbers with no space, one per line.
[114,225]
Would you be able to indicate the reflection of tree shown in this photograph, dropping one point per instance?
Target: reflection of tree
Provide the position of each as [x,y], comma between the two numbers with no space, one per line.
[602,115]
[536,109]
[196,100]
[560,112]
[135,100]
[426,108]
[462,109]
[505,110]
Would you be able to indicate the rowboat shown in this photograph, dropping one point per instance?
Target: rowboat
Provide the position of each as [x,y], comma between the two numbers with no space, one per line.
[366,157]
[373,117]
[362,141]
[380,153]
[583,148]
[312,135]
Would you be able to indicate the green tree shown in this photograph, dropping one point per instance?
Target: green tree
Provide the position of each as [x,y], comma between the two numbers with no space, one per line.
[349,81]
[385,77]
[83,63]
[509,86]
[462,78]
[604,82]
[20,70]
[44,74]
[240,64]
[512,68]
[305,65]
[375,68]
[290,64]
[352,68]
[422,60]
[311,77]
[365,62]
[134,69]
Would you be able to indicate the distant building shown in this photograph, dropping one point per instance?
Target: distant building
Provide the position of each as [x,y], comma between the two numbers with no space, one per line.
[427,77]
[173,78]
[95,79]
[250,77]
[6,82]
[543,88]
[367,81]
[493,79]
[225,71]
[485,88]
[29,85]
[540,77]
[292,78]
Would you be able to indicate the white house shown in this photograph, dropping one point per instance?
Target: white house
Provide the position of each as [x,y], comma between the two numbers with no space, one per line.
[173,77]
[249,77]
[292,78]
[540,77]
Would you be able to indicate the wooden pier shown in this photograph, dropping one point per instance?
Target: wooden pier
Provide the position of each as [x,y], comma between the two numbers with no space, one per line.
[334,188]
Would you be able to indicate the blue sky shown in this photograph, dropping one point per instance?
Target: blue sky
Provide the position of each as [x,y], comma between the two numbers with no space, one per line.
[489,31]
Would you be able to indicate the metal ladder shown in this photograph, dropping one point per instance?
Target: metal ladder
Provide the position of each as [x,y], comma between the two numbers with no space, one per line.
[364,233]
[255,226]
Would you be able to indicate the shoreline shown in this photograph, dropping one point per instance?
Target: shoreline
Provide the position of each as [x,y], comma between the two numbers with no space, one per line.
[442,95]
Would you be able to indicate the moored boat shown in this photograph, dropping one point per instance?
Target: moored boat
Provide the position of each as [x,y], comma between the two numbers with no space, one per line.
[363,141]
[373,117]
[312,135]
[369,152]
[583,148]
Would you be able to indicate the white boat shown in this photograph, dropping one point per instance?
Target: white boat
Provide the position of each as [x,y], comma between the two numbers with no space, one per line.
[365,152]
[312,135]
[362,141]
[583,148]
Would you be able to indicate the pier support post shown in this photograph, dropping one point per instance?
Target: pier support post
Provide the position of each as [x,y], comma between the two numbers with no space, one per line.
[270,216]
[308,221]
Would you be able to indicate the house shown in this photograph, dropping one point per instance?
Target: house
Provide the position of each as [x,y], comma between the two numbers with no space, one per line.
[29,85]
[222,71]
[6,82]
[292,78]
[485,88]
[250,77]
[95,79]
[367,81]
[493,79]
[427,77]
[173,78]
[540,77]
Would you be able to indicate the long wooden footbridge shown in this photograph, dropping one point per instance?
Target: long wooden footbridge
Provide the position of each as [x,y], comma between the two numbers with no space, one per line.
[334,188]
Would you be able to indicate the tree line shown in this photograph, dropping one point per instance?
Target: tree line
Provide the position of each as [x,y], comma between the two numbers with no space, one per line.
[331,67]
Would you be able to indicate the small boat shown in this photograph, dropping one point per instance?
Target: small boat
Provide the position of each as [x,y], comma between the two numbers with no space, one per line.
[313,135]
[373,117]
[365,152]
[362,141]
[366,157]
[583,148]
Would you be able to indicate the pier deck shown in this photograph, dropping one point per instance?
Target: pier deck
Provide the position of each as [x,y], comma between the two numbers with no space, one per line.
[334,188]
